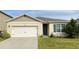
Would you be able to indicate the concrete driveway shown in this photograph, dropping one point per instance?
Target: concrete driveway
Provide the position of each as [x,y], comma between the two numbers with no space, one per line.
[19,43]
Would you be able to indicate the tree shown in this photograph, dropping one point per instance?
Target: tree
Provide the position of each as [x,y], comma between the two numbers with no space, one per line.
[77,30]
[71,29]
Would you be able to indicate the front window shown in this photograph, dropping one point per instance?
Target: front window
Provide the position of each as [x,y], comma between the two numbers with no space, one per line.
[58,27]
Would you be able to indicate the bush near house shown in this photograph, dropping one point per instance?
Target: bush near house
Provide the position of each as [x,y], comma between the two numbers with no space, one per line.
[72,29]
[5,35]
[51,35]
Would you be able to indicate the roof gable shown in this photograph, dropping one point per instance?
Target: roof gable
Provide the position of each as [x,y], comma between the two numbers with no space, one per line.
[24,15]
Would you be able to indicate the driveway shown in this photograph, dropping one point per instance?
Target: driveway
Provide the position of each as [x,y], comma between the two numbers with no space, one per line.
[19,43]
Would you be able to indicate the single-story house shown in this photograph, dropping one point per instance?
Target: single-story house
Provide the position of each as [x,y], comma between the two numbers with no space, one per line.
[28,26]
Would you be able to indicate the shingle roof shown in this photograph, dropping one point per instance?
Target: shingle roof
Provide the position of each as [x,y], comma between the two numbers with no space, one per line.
[51,19]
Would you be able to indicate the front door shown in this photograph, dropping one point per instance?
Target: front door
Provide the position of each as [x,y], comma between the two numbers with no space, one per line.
[45,29]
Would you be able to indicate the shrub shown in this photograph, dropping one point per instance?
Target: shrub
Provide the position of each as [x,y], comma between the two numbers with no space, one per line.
[51,35]
[5,35]
[71,29]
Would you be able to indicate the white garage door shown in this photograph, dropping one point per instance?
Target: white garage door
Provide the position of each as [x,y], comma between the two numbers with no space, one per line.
[24,32]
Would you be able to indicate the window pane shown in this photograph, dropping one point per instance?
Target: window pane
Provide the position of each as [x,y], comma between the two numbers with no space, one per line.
[62,26]
[56,27]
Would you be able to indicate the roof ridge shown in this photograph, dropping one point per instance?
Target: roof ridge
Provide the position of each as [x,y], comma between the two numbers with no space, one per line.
[51,18]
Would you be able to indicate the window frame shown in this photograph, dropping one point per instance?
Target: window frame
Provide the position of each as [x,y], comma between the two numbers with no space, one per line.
[58,29]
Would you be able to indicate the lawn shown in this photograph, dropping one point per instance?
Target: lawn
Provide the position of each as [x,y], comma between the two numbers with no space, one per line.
[58,43]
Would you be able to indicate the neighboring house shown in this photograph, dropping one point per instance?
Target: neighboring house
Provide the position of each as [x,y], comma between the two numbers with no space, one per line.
[3,20]
[28,26]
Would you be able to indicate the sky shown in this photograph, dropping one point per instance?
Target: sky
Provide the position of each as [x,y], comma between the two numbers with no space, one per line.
[57,14]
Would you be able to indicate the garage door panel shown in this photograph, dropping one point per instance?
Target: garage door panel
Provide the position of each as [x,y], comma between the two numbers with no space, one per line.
[24,32]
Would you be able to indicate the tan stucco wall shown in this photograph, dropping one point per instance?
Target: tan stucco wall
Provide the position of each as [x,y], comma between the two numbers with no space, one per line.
[39,26]
[51,30]
[3,21]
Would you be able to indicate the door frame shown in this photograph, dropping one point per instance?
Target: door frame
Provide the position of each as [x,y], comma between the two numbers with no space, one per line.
[45,29]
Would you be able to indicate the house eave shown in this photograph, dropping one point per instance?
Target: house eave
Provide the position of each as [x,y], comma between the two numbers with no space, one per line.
[6,14]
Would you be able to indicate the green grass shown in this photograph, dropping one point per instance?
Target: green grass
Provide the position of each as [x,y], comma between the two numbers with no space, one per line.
[60,43]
